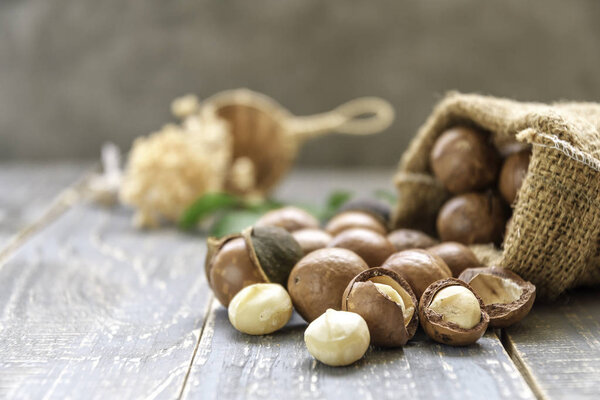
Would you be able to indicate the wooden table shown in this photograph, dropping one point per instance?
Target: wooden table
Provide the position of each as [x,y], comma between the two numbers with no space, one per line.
[92,308]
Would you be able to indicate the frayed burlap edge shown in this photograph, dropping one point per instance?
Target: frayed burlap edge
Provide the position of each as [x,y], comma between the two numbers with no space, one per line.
[554,238]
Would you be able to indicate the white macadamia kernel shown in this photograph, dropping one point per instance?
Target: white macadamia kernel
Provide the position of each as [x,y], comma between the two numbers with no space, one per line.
[260,309]
[337,338]
[457,304]
[396,298]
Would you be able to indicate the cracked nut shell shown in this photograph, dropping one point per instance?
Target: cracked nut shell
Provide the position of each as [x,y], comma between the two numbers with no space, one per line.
[289,218]
[447,332]
[418,267]
[464,160]
[256,255]
[456,255]
[311,239]
[406,239]
[370,246]
[390,324]
[472,218]
[354,219]
[319,279]
[507,297]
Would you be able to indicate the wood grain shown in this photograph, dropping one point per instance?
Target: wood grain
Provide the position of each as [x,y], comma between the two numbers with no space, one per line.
[557,347]
[28,190]
[232,365]
[90,308]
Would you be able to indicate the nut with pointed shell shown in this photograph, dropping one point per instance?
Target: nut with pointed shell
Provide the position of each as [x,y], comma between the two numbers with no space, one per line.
[257,255]
[506,296]
[386,302]
[459,307]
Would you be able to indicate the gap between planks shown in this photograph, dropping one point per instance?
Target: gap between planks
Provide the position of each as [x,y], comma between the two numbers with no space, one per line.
[521,365]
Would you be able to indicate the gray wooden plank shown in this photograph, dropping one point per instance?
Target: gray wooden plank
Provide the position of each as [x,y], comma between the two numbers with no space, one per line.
[28,189]
[91,308]
[232,365]
[557,347]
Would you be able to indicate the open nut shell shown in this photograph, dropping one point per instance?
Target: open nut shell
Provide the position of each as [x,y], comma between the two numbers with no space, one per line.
[213,245]
[274,251]
[384,317]
[503,315]
[448,332]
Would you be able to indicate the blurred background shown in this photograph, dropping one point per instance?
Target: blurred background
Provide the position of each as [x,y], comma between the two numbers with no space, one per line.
[77,73]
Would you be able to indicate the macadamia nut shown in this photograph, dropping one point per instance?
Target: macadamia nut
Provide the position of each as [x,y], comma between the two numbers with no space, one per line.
[457,304]
[260,309]
[337,338]
[396,298]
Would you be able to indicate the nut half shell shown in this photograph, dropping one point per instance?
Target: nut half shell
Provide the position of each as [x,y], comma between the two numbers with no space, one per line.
[507,297]
[385,318]
[447,332]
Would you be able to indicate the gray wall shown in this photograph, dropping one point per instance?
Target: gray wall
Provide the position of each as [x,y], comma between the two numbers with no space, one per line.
[76,73]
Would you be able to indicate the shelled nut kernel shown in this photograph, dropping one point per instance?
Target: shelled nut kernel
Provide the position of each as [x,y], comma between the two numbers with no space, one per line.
[289,218]
[451,313]
[260,309]
[457,304]
[337,338]
[370,246]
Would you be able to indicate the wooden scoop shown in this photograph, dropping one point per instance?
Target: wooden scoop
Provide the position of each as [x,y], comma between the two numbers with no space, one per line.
[269,135]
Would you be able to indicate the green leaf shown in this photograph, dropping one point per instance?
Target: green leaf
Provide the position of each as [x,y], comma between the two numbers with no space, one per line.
[205,206]
[234,221]
[335,200]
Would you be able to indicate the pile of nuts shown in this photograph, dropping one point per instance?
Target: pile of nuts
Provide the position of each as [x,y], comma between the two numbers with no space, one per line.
[482,183]
[356,283]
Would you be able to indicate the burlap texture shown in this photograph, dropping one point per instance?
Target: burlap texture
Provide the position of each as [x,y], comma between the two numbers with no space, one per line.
[554,237]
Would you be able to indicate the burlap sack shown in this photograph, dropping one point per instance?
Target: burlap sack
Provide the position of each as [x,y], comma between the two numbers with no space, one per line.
[554,238]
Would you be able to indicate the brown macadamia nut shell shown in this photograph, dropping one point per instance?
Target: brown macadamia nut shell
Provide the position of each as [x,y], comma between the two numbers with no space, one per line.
[456,255]
[354,219]
[258,254]
[311,239]
[384,317]
[289,218]
[464,160]
[513,174]
[447,332]
[370,246]
[472,218]
[418,267]
[317,282]
[376,208]
[504,315]
[406,239]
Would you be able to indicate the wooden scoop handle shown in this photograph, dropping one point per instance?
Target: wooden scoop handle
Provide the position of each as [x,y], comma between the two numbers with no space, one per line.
[362,116]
